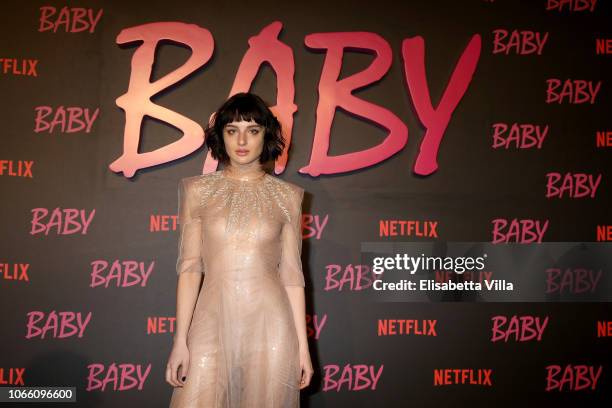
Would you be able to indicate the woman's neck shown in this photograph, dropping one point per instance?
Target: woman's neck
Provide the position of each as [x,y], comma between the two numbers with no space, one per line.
[248,171]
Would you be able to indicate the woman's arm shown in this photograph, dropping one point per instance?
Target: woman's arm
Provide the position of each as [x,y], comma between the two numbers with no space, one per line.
[296,296]
[189,269]
[189,266]
[292,278]
[187,289]
[298,308]
[186,295]
[290,266]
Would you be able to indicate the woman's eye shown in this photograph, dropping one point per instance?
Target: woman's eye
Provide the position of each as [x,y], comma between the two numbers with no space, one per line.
[255,131]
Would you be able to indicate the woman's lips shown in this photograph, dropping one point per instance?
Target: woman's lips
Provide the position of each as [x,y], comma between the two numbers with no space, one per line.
[242,152]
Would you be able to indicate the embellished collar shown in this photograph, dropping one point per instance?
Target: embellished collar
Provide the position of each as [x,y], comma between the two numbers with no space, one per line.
[248,177]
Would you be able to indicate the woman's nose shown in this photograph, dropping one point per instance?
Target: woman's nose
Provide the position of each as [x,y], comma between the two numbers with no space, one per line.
[242,138]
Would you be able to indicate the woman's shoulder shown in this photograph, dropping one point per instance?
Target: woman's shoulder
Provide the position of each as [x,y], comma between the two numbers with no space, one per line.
[289,193]
[286,185]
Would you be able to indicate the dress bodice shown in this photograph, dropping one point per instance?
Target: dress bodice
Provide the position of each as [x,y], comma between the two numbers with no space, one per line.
[240,229]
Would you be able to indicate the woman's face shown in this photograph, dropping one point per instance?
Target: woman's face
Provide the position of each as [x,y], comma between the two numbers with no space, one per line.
[244,141]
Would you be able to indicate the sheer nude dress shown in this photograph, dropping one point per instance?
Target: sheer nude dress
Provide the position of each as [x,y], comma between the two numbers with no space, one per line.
[246,238]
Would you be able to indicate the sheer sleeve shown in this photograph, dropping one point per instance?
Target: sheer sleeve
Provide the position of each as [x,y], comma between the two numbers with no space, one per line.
[190,231]
[290,266]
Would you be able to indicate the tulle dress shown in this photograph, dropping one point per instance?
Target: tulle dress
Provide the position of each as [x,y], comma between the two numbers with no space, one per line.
[245,237]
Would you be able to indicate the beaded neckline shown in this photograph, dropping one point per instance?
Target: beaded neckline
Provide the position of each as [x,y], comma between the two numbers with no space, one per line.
[225,176]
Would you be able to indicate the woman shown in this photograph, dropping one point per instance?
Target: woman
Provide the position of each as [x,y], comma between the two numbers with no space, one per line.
[240,340]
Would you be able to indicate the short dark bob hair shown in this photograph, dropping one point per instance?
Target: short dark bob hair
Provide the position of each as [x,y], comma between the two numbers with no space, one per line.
[244,106]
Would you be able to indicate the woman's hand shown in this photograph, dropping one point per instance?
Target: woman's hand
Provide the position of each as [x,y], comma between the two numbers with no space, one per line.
[178,364]
[305,367]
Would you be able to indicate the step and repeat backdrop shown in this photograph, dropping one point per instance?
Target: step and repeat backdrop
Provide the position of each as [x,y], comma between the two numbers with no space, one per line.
[417,129]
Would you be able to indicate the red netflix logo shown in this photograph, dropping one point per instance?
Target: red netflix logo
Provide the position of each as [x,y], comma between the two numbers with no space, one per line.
[12,376]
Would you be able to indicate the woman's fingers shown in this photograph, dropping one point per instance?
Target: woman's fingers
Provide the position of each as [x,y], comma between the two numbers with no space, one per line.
[168,374]
[171,375]
[174,375]
[183,372]
[306,377]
